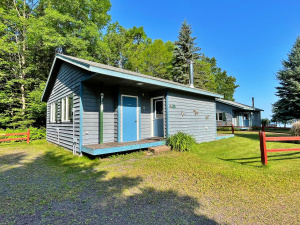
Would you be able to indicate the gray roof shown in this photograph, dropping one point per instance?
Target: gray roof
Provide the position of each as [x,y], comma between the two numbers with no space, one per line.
[238,105]
[99,69]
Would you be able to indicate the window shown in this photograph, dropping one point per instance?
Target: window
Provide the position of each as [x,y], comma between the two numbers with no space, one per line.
[159,114]
[53,111]
[246,116]
[220,116]
[65,109]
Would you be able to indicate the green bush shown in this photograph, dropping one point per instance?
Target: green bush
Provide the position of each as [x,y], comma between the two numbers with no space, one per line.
[35,133]
[224,128]
[255,128]
[181,141]
[265,122]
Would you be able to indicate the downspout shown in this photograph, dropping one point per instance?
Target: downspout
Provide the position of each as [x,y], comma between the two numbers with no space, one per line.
[101,118]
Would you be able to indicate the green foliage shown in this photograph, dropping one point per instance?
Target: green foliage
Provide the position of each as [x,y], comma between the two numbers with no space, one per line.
[224,84]
[288,105]
[255,128]
[185,51]
[265,122]
[30,34]
[181,141]
[223,128]
[295,130]
[36,109]
[35,133]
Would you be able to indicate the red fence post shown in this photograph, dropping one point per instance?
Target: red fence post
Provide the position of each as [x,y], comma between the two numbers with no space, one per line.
[232,128]
[28,136]
[263,127]
[263,148]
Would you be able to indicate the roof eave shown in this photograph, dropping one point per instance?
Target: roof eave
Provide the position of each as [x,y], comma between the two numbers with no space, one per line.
[125,76]
[244,108]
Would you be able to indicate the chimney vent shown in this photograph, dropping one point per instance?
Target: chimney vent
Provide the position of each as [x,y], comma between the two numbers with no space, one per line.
[191,74]
[252,102]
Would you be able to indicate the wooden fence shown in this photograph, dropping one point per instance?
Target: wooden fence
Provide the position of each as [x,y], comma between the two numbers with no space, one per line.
[263,128]
[263,145]
[17,134]
[241,127]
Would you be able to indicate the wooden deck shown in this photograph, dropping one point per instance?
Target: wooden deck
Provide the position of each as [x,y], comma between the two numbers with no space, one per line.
[116,144]
[99,149]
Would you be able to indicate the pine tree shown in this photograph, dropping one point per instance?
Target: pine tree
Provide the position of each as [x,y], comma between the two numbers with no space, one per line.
[184,52]
[288,105]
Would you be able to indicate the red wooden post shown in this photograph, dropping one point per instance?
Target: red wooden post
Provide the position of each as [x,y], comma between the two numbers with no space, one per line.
[28,136]
[263,127]
[263,148]
[232,128]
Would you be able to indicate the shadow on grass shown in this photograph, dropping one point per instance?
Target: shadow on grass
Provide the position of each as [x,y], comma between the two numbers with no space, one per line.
[277,157]
[61,189]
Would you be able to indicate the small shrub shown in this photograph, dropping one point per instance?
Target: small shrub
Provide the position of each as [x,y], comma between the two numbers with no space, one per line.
[223,128]
[295,130]
[181,141]
[255,128]
[265,122]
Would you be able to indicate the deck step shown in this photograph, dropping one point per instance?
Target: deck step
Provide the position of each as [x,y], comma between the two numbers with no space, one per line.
[159,149]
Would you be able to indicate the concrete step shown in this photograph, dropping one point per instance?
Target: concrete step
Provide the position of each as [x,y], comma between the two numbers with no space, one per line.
[159,149]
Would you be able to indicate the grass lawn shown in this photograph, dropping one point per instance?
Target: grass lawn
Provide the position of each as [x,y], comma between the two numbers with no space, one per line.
[221,182]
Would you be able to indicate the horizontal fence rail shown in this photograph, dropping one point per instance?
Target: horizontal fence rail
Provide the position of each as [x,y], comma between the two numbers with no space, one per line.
[263,127]
[232,127]
[263,145]
[17,134]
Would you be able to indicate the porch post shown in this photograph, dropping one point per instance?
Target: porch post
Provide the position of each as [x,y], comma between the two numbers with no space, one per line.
[101,117]
[167,114]
[119,114]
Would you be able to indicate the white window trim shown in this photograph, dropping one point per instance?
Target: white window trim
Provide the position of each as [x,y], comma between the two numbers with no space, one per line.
[152,114]
[65,114]
[218,115]
[52,112]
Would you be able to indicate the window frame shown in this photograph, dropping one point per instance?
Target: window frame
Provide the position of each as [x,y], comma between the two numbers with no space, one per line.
[161,116]
[65,112]
[53,112]
[220,113]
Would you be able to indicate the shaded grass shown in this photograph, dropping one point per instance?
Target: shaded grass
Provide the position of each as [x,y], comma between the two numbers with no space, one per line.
[217,182]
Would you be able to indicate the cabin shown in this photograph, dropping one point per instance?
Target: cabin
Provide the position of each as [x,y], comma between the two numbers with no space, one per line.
[99,109]
[237,114]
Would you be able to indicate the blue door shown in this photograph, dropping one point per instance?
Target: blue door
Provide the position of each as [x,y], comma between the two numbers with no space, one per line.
[129,124]
[158,118]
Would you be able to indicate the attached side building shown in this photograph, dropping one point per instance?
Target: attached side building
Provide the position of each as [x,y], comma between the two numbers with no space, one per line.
[229,112]
[100,109]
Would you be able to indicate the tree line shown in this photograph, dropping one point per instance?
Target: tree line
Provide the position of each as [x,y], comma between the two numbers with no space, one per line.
[33,31]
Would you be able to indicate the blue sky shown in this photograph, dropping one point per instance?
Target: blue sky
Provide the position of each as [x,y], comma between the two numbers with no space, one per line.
[249,39]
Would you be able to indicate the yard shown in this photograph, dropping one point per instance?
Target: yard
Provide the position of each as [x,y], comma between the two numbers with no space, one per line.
[220,182]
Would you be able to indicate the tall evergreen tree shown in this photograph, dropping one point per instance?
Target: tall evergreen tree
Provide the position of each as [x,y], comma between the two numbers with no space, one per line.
[288,91]
[184,52]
